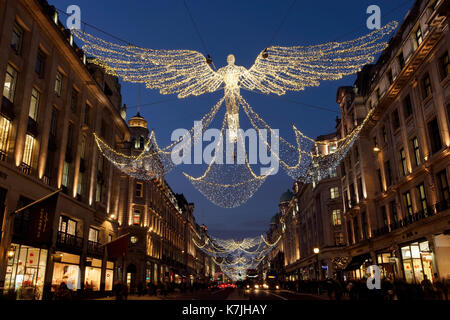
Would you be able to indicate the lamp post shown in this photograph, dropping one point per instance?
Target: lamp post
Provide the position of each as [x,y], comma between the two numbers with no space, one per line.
[316,252]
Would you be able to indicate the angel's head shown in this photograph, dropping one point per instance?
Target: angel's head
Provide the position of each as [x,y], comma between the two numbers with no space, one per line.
[231,59]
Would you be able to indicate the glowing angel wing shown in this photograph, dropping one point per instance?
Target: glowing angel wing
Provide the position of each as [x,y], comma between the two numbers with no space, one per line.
[280,69]
[184,72]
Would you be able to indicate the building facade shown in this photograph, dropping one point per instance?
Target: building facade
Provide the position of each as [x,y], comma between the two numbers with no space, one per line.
[395,179]
[52,102]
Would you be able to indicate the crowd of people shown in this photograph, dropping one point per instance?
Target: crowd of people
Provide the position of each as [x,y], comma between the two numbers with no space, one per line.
[358,289]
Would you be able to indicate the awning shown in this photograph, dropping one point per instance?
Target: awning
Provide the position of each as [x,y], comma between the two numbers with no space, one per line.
[357,261]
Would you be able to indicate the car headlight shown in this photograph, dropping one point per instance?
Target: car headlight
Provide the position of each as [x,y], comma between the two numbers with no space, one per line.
[248,286]
[277,287]
[256,286]
[265,286]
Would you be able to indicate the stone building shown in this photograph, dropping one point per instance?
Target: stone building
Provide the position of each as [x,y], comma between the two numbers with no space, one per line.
[52,102]
[395,179]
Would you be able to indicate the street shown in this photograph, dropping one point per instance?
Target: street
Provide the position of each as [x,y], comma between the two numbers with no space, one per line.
[228,294]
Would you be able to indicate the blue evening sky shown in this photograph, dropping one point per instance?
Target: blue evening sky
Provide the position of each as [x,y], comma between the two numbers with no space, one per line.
[244,28]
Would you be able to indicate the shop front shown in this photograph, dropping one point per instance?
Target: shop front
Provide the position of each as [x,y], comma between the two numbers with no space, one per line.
[25,272]
[66,269]
[109,276]
[386,261]
[92,274]
[357,267]
[417,261]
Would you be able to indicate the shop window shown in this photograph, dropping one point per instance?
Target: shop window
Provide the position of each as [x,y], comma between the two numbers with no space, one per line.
[443,186]
[58,83]
[67,273]
[416,151]
[408,203]
[9,87]
[17,38]
[444,66]
[435,137]
[92,275]
[417,262]
[334,193]
[426,86]
[336,217]
[422,198]
[25,272]
[34,104]
[407,106]
[403,165]
[137,217]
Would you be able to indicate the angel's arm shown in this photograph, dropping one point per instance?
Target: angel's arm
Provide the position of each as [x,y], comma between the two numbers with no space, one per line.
[184,72]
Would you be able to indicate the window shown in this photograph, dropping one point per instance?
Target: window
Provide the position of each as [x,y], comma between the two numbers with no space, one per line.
[349,232]
[98,192]
[336,217]
[390,76]
[28,150]
[34,104]
[393,209]
[384,216]
[93,235]
[80,184]
[380,180]
[435,137]
[419,37]
[5,126]
[137,217]
[87,112]
[10,83]
[385,136]
[356,229]
[401,61]
[416,151]
[338,238]
[69,139]
[408,203]
[365,226]
[65,178]
[139,189]
[334,192]
[403,166]
[426,86]
[422,198]
[360,189]
[54,122]
[443,185]
[444,66]
[67,225]
[395,120]
[407,104]
[388,172]
[74,100]
[40,63]
[83,147]
[58,84]
[17,38]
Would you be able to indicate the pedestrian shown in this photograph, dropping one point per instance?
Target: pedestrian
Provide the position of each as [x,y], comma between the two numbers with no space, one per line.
[140,288]
[118,290]
[125,291]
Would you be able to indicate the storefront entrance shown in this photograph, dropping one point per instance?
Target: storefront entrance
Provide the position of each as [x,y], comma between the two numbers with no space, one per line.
[417,262]
[25,272]
[66,270]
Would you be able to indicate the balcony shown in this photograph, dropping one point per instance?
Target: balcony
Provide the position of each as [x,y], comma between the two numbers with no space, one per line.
[418,216]
[69,242]
[3,155]
[25,168]
[95,249]
[7,109]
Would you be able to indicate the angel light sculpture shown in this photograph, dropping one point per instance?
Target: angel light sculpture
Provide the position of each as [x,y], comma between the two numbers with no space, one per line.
[276,70]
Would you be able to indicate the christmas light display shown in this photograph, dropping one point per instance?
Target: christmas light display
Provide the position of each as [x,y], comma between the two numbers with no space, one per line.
[236,257]
[276,70]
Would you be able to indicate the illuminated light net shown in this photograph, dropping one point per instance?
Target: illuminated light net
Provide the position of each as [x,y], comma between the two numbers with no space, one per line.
[236,257]
[276,70]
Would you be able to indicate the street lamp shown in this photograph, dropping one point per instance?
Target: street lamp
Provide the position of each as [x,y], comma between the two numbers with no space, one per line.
[316,251]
